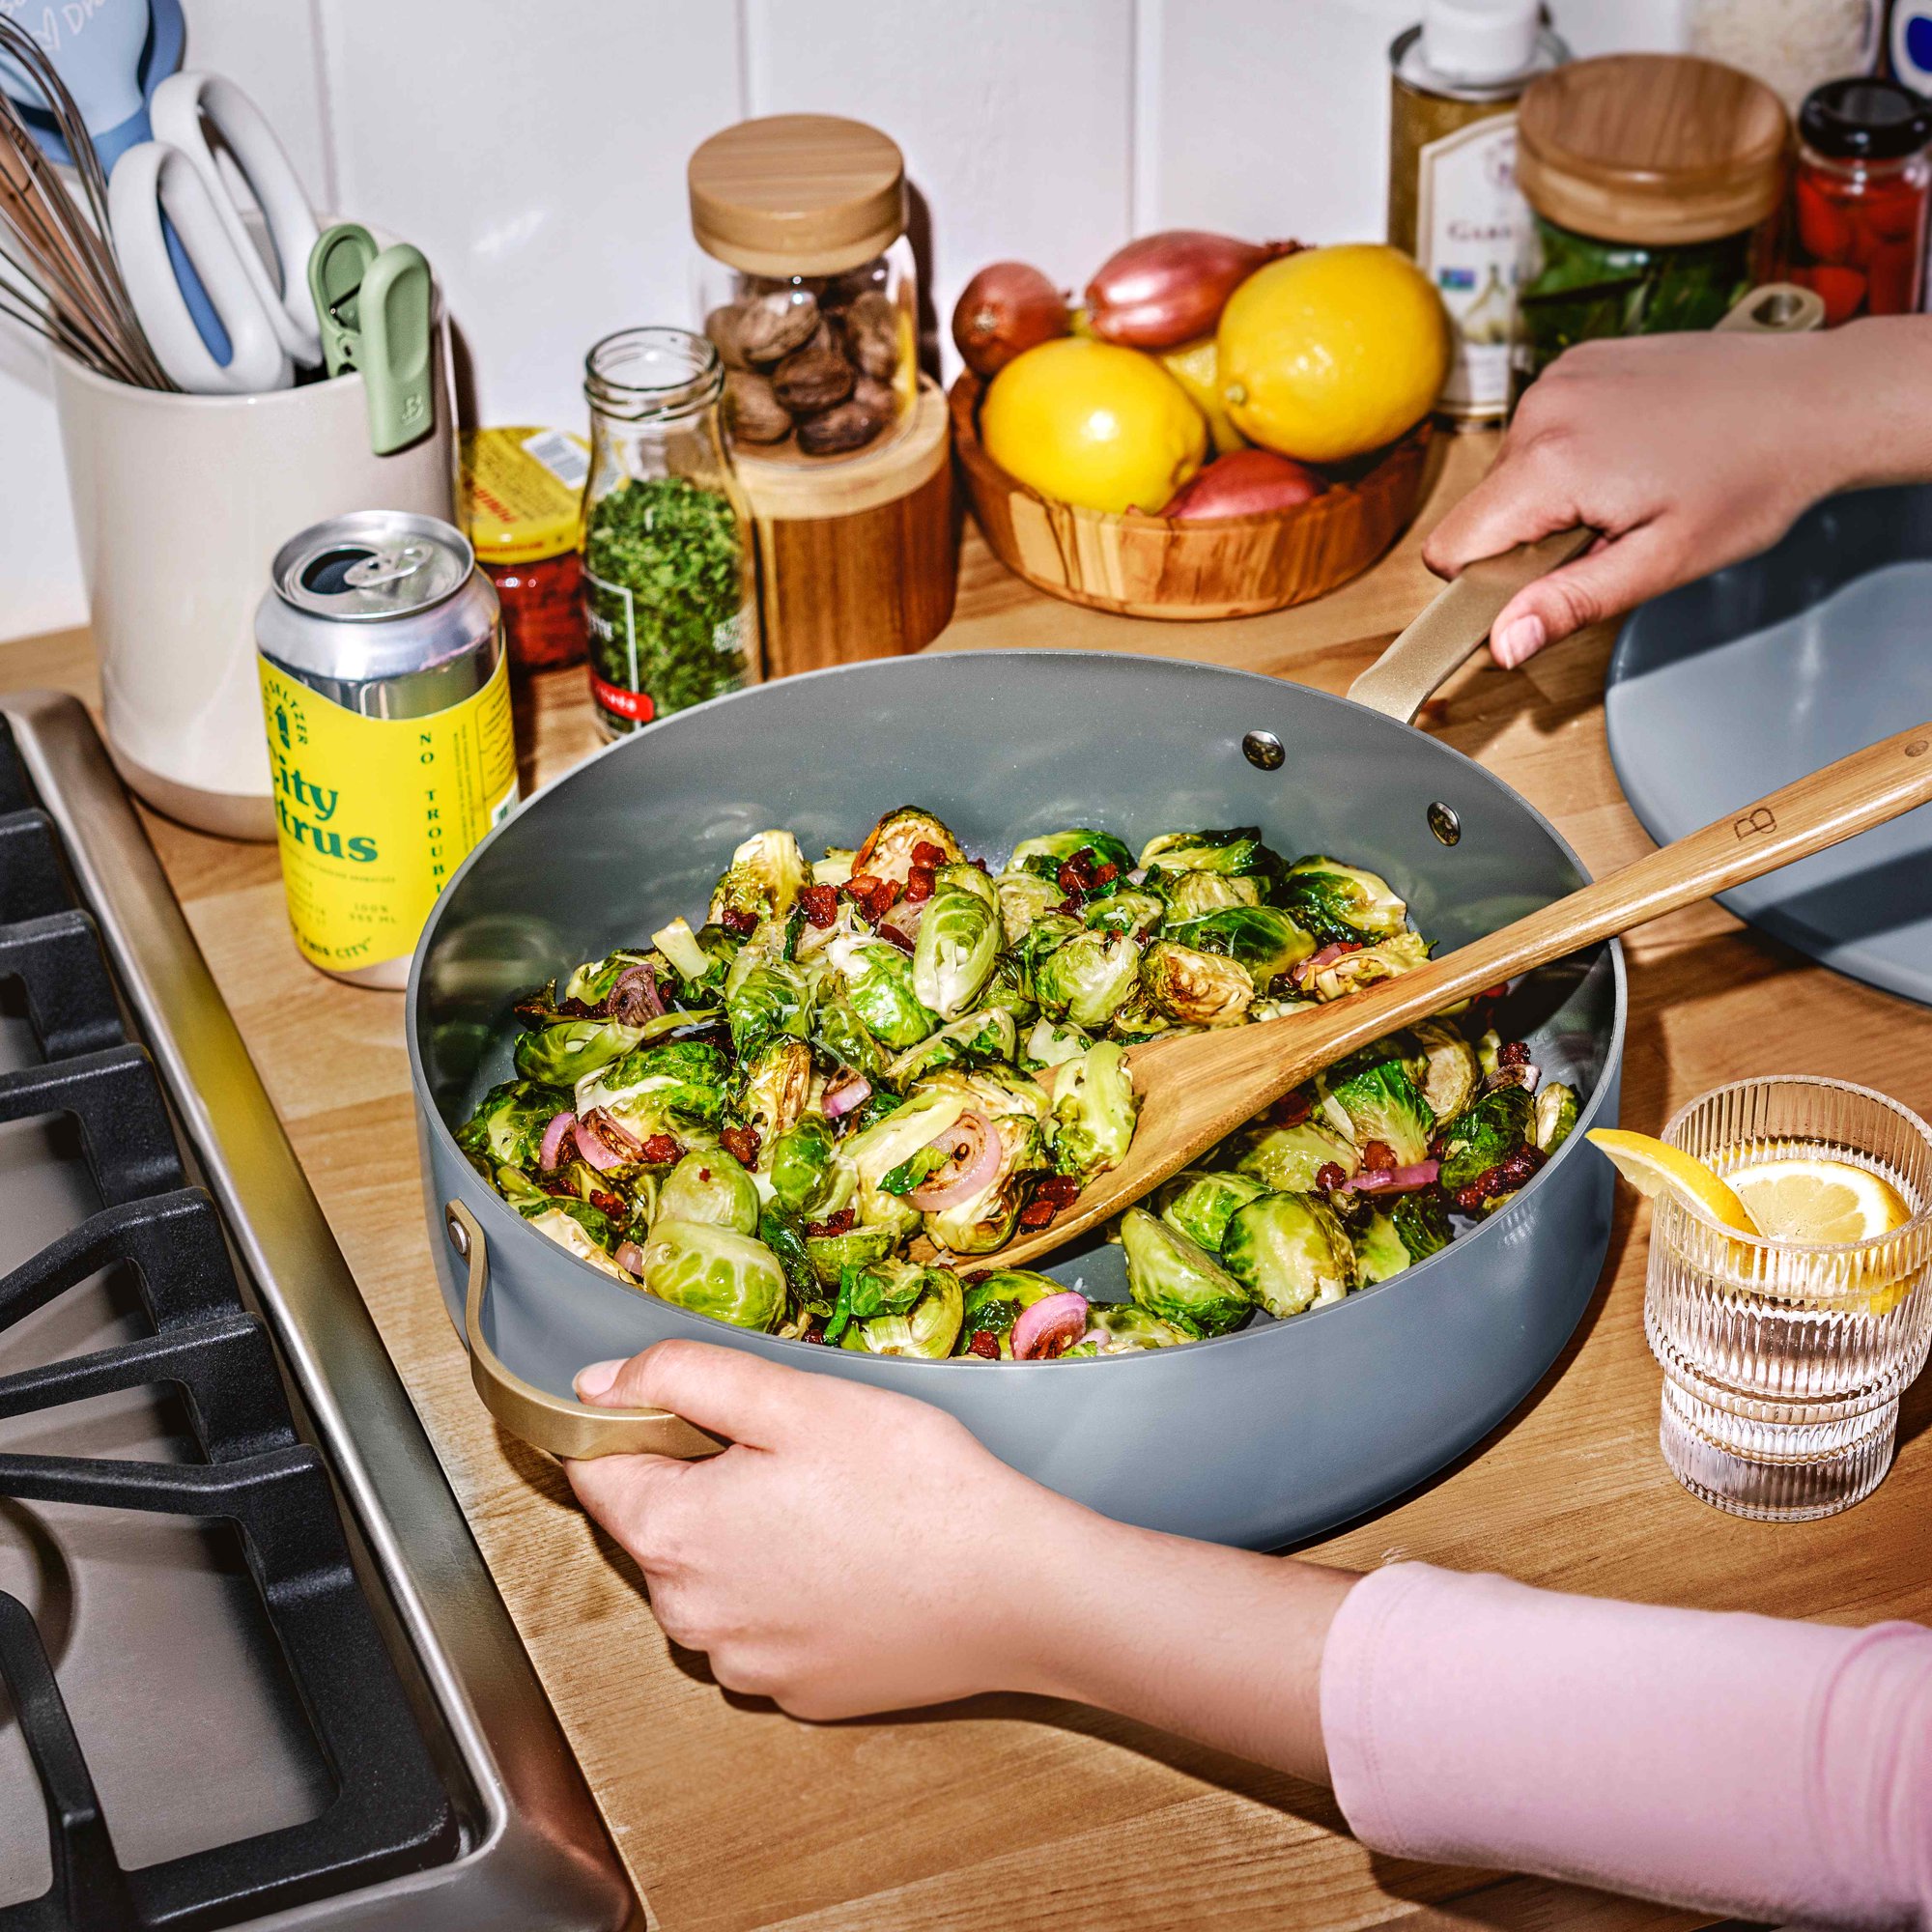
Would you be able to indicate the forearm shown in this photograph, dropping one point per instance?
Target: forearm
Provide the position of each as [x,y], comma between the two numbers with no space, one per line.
[1873,402]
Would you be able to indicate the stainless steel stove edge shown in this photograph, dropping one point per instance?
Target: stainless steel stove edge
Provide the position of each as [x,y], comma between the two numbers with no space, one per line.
[538,1858]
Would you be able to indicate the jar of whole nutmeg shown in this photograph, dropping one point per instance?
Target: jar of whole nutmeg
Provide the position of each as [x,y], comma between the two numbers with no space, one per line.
[807,284]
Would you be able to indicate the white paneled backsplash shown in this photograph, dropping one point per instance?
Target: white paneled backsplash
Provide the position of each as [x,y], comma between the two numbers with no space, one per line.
[537,158]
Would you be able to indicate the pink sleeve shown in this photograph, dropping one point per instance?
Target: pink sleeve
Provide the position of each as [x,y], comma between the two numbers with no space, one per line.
[1734,1763]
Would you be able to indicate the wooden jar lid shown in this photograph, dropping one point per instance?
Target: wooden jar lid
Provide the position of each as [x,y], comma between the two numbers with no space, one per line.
[797,194]
[1651,148]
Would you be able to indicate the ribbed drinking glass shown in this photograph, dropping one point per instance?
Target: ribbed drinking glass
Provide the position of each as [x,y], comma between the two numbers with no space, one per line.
[1782,1364]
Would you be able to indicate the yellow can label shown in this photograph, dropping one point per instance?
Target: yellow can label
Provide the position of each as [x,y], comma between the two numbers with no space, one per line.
[374,814]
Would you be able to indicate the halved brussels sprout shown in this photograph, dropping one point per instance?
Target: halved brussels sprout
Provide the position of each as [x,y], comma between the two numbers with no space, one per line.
[836,868]
[888,848]
[963,876]
[1191,894]
[1178,1280]
[958,947]
[1053,1042]
[1335,901]
[1287,1159]
[831,1255]
[1051,850]
[1191,986]
[878,981]
[1498,1125]
[1120,1329]
[970,1041]
[710,1186]
[717,1271]
[1265,940]
[804,1171]
[1037,945]
[1337,977]
[785,1236]
[1200,1204]
[1555,1115]
[578,1225]
[509,1121]
[1008,992]
[1397,1237]
[1375,1100]
[1089,978]
[839,1036]
[985,1220]
[1132,912]
[771,1000]
[875,1150]
[993,1304]
[1237,851]
[1139,1020]
[1443,1065]
[773,1087]
[1093,1109]
[561,1055]
[761,881]
[1024,898]
[1290,1251]
[926,1330]
[675,1087]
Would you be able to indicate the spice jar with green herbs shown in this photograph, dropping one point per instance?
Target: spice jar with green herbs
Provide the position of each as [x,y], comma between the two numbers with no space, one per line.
[668,572]
[1652,182]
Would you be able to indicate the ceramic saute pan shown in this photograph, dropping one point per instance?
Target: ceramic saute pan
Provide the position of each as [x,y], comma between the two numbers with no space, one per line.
[1258,1437]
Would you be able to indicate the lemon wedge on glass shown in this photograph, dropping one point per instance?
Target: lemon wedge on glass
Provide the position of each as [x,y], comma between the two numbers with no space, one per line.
[1650,1165]
[1817,1202]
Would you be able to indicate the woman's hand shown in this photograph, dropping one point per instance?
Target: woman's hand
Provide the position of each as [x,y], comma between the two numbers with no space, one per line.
[1685,452]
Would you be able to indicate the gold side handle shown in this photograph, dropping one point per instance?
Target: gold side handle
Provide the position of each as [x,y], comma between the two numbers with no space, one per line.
[549,1422]
[1776,308]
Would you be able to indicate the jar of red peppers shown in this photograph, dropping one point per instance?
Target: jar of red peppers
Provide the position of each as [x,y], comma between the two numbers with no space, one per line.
[1859,197]
[521,508]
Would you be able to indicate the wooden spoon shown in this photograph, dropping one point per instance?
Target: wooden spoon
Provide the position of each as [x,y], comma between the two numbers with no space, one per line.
[1195,1089]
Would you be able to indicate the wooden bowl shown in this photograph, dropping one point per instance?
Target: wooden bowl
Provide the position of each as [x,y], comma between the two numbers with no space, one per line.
[1143,567]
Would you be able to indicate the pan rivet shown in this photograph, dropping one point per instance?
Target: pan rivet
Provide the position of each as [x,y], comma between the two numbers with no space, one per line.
[1262,749]
[1443,822]
[459,1235]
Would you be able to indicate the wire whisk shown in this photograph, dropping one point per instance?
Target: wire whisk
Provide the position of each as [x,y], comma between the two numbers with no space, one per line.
[58,275]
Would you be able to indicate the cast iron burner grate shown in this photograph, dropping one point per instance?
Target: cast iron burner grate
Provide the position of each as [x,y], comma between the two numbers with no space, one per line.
[388,1812]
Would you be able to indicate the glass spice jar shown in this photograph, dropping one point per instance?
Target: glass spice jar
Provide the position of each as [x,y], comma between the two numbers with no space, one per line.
[521,505]
[1859,201]
[668,571]
[807,284]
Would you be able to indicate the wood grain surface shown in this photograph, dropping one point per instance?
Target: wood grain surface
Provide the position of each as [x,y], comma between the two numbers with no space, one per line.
[1016,1815]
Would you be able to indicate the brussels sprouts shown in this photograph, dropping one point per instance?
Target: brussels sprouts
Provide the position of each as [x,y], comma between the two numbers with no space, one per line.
[578,1225]
[985,1220]
[1024,898]
[1039,944]
[1138,1020]
[762,880]
[1444,1064]
[1131,911]
[710,1186]
[680,946]
[1287,1159]
[840,1037]
[1177,1279]
[1373,1099]
[927,1328]
[560,1056]
[993,1304]
[1554,1115]
[1008,992]
[1120,1329]
[1088,978]
[591,981]
[1191,894]
[875,1150]
[831,1255]
[512,1184]
[1051,850]
[1093,1109]
[1290,1251]
[996,1090]
[1052,1042]
[773,999]
[1278,1007]
[509,1122]
[674,1087]
[1489,1049]
[887,853]
[773,1087]
[1337,902]
[954,954]
[717,1271]
[1265,941]
[782,1234]
[1397,1238]
[878,979]
[1494,1128]
[963,876]
[970,1041]
[804,1170]
[1237,851]
[1202,987]
[1200,1204]
[1353,970]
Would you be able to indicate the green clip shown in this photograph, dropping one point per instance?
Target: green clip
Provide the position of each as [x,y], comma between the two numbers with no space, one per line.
[375,307]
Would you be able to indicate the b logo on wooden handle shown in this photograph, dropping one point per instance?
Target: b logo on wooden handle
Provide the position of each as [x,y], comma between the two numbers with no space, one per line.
[1753,823]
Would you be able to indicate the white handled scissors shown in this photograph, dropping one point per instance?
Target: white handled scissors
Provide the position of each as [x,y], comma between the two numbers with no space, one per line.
[268,327]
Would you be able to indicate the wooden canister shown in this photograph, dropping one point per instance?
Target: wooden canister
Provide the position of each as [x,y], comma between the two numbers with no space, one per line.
[856,559]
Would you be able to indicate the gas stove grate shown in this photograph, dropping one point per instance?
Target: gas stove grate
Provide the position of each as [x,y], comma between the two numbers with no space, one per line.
[390,1813]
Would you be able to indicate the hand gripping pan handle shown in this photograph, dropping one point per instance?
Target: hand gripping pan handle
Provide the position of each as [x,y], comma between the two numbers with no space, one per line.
[550,1422]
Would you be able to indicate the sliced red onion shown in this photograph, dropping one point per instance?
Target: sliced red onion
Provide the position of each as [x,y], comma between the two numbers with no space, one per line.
[597,1150]
[974,1151]
[1393,1180]
[1052,1324]
[1338,950]
[1520,1074]
[841,1099]
[612,1132]
[631,1257]
[634,995]
[1138,876]
[561,1126]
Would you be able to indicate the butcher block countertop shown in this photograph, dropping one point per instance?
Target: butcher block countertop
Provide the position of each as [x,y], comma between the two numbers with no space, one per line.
[1014,1813]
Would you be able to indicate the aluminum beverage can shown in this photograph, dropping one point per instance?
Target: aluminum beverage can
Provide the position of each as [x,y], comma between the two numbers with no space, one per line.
[386,691]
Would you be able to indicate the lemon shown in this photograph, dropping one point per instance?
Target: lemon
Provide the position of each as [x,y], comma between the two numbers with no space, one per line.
[1196,367]
[1652,1165]
[1817,1202]
[1092,424]
[1332,352]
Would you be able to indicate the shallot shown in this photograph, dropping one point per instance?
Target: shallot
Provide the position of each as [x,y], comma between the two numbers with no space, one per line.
[1049,1326]
[631,1257]
[1245,483]
[973,1148]
[849,1093]
[555,1133]
[1393,1180]
[596,1150]
[634,996]
[1005,309]
[1167,289]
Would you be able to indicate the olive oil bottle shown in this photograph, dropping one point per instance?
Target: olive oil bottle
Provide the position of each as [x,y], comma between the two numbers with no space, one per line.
[1453,202]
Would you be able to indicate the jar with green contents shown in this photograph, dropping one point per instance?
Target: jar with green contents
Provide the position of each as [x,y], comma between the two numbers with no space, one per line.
[668,570]
[1652,180]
